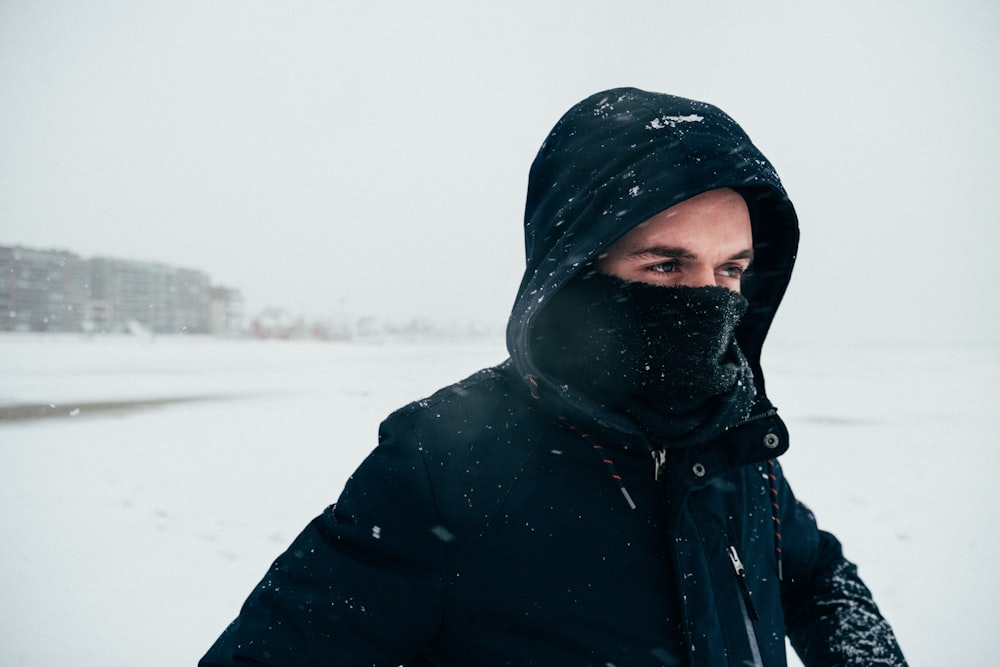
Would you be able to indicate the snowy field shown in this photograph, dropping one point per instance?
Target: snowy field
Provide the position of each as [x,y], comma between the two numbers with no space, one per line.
[131,537]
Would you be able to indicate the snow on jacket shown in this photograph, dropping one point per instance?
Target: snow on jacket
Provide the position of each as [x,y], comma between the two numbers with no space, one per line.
[488,526]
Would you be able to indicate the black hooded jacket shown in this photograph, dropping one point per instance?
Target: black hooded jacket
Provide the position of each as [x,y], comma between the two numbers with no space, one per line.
[509,520]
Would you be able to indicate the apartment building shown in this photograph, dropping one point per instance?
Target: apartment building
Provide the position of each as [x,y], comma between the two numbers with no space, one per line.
[58,291]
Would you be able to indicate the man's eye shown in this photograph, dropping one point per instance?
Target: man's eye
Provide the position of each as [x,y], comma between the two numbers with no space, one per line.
[665,267]
[733,271]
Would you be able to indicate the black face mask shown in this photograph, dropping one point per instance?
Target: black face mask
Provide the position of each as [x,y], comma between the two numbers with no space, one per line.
[666,356]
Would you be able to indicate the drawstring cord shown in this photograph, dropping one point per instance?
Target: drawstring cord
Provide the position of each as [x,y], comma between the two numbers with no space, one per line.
[594,446]
[600,451]
[611,468]
[772,482]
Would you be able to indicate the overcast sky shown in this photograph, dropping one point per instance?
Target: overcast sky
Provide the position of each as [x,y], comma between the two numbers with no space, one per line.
[371,157]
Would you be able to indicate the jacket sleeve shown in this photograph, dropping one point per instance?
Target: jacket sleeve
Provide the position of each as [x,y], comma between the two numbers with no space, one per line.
[830,616]
[362,583]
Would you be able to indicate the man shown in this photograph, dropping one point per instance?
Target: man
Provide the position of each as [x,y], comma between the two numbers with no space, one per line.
[610,494]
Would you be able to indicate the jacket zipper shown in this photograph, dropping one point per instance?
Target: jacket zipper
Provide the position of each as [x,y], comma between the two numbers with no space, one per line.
[770,412]
[746,603]
[659,460]
[741,579]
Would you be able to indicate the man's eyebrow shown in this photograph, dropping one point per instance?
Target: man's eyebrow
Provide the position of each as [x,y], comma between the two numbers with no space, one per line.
[673,252]
[745,254]
[676,252]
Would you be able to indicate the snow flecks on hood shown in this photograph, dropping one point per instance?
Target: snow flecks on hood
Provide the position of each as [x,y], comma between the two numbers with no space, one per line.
[664,122]
[605,106]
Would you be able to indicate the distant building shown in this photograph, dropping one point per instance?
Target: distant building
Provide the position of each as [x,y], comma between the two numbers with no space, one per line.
[57,291]
[225,315]
[42,290]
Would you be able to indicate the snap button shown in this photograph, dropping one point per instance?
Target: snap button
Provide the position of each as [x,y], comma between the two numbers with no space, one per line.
[698,470]
[771,440]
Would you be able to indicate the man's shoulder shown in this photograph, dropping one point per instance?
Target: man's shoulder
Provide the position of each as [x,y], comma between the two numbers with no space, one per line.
[487,386]
[487,403]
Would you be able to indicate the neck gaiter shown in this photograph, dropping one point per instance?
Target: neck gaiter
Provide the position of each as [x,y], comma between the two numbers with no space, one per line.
[665,356]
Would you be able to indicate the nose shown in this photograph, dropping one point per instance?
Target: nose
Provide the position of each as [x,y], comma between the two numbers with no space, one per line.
[699,276]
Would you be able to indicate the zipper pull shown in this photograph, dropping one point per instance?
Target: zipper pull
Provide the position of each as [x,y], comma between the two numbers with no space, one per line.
[659,460]
[741,577]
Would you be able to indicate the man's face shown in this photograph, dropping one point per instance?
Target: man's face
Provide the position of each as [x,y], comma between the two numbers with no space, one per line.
[703,241]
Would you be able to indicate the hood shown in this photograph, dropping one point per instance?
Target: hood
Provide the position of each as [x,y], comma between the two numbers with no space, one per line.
[611,162]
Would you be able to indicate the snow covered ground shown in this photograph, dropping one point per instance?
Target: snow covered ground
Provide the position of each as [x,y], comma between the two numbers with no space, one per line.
[131,537]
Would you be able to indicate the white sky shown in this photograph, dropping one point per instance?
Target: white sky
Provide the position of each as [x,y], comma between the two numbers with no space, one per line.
[371,157]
